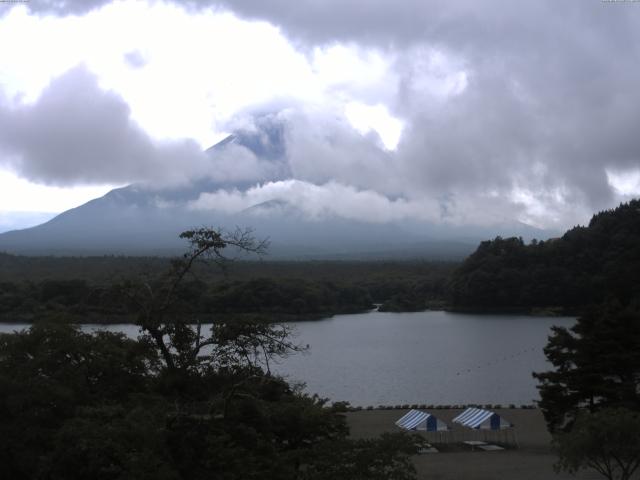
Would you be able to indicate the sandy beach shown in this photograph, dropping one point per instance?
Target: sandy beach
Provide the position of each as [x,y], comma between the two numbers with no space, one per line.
[532,460]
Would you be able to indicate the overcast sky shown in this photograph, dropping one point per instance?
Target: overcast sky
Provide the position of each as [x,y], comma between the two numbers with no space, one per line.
[458,110]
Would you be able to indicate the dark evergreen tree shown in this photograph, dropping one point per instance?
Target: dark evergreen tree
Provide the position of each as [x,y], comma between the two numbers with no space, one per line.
[596,365]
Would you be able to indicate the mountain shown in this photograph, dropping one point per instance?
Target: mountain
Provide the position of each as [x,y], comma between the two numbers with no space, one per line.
[143,220]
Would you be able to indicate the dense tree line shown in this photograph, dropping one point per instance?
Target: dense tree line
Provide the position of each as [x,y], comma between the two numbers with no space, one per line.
[587,265]
[111,268]
[428,292]
[77,299]
[286,290]
[179,402]
[269,296]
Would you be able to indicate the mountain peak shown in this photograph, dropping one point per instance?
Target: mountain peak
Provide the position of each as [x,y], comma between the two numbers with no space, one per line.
[275,206]
[265,139]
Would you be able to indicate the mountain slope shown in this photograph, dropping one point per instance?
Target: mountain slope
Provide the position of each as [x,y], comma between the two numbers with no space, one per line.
[143,220]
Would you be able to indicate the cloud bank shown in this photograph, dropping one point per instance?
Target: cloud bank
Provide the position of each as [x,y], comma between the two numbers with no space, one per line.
[331,199]
[521,110]
[514,98]
[78,133]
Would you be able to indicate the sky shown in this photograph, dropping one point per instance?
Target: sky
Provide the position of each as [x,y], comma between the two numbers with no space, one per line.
[458,111]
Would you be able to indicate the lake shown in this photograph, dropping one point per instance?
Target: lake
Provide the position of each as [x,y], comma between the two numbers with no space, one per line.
[383,358]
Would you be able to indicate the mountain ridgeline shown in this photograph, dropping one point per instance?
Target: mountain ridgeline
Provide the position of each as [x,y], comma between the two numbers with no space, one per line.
[145,220]
[587,265]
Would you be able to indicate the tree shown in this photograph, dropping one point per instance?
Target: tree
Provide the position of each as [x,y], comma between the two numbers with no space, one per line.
[176,403]
[597,365]
[587,265]
[164,316]
[387,458]
[48,374]
[607,441]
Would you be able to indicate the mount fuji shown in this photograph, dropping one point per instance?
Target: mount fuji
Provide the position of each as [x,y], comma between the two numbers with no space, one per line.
[145,220]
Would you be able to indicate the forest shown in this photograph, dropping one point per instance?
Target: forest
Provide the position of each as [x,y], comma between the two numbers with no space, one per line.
[586,266]
[87,289]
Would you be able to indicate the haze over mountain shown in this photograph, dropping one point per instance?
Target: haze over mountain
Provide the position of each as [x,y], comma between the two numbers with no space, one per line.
[300,218]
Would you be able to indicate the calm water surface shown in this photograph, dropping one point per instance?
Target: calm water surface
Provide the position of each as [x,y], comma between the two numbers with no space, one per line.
[381,358]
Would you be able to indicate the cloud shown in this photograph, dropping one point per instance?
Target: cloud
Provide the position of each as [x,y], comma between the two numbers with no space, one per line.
[464,25]
[237,164]
[497,96]
[323,146]
[65,7]
[135,59]
[524,108]
[78,133]
[502,165]
[331,199]
[334,199]
[532,103]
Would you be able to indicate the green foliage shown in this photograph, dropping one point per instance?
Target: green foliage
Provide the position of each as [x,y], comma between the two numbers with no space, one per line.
[607,441]
[587,265]
[385,459]
[111,442]
[409,301]
[596,365]
[49,372]
[80,406]
[276,290]
[294,296]
[177,403]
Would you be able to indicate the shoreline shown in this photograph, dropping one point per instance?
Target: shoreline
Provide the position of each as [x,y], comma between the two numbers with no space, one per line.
[459,407]
[532,460]
[121,319]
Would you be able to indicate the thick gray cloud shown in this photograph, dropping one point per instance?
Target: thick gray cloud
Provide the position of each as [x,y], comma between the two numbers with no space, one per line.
[550,88]
[545,101]
[236,164]
[549,100]
[78,133]
[64,7]
[544,116]
[465,25]
[547,106]
[322,147]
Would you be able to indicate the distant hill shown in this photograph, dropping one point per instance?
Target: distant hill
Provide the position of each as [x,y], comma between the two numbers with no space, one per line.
[587,265]
[140,220]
